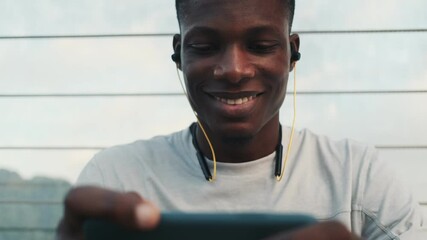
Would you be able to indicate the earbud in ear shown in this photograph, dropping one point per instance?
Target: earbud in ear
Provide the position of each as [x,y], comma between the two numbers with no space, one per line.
[295,56]
[176,57]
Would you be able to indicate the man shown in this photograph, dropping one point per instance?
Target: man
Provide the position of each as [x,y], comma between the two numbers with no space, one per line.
[235,57]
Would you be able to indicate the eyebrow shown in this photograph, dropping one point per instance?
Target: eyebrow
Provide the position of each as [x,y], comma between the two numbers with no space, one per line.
[250,31]
[200,30]
[264,29]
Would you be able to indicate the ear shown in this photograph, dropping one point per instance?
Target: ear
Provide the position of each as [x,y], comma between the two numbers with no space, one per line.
[294,42]
[176,44]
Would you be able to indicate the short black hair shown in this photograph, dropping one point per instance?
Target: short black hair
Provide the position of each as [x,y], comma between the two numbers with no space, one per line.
[182,5]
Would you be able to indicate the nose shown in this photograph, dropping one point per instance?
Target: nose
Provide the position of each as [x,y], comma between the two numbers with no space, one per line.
[234,65]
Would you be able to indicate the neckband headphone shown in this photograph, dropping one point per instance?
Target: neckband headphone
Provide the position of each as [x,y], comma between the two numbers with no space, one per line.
[279,170]
[204,164]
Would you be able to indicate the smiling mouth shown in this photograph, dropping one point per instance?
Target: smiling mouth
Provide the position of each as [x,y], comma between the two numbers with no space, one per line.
[236,101]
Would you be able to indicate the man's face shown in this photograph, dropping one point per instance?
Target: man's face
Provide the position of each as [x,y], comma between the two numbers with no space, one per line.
[235,58]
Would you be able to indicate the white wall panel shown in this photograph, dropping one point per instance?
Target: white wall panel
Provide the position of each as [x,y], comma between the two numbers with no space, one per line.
[395,119]
[109,16]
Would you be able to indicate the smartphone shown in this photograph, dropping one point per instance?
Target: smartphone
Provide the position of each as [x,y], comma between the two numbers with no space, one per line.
[202,226]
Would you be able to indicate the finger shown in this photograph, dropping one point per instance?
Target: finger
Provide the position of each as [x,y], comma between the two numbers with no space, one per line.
[321,231]
[127,209]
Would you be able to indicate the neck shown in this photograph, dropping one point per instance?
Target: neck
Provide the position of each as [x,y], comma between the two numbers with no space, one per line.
[240,149]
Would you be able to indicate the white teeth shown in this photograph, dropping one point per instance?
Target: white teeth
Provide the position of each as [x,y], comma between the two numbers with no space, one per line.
[237,101]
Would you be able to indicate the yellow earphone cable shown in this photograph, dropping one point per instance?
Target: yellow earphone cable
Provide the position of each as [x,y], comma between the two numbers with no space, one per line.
[279,178]
[211,179]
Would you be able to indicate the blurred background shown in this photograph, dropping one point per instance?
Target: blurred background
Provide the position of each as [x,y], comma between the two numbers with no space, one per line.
[78,76]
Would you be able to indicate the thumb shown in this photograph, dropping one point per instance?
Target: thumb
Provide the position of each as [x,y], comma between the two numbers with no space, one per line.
[147,215]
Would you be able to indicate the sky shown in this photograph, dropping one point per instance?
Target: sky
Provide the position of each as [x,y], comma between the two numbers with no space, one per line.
[330,62]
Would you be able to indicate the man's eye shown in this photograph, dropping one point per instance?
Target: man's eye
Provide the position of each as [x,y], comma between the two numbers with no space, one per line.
[201,47]
[263,46]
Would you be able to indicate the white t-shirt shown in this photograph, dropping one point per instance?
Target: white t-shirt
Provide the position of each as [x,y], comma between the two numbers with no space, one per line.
[330,180]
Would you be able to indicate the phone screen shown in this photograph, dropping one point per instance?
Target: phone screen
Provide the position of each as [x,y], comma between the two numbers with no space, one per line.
[205,226]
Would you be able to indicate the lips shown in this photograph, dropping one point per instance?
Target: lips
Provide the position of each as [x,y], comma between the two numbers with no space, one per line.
[235,101]
[234,104]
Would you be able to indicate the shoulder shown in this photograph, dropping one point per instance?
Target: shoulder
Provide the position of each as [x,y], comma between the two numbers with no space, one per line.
[343,152]
[343,166]
[141,149]
[138,158]
[380,204]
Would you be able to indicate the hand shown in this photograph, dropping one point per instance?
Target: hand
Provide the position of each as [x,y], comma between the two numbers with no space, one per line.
[321,231]
[127,209]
